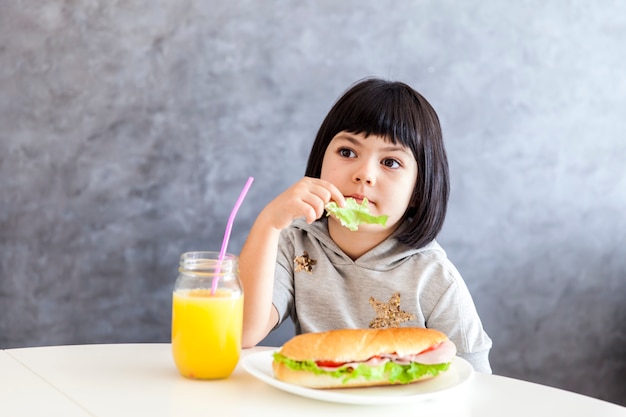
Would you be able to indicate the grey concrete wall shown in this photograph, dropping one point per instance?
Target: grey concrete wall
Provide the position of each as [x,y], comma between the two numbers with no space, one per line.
[127,130]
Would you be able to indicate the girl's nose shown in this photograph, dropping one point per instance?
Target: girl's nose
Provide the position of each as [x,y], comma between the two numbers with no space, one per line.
[365,174]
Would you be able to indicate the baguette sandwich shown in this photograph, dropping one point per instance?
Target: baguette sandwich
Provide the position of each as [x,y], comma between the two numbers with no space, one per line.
[349,358]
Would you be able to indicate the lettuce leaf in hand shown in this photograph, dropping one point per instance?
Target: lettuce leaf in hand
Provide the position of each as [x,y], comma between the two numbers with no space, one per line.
[354,214]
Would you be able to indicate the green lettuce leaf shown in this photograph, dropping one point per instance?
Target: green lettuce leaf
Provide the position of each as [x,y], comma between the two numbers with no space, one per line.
[395,373]
[354,214]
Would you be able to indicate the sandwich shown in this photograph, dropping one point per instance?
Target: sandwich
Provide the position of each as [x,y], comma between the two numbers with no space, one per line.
[349,358]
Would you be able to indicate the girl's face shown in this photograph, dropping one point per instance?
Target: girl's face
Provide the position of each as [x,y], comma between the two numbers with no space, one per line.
[372,168]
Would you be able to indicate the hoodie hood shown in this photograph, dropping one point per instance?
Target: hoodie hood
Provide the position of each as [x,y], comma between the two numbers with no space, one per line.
[386,256]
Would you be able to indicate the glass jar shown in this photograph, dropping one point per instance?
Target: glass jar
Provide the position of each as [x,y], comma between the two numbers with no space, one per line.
[207,315]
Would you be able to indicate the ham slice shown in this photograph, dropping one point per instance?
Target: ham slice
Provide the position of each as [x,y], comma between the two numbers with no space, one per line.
[442,353]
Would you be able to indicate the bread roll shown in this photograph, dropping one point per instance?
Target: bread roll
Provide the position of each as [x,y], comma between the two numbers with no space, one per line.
[347,345]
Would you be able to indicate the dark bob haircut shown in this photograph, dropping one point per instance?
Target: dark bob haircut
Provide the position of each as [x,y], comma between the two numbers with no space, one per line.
[399,113]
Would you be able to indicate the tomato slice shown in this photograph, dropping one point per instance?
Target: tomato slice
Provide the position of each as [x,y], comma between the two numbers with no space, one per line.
[430,348]
[329,364]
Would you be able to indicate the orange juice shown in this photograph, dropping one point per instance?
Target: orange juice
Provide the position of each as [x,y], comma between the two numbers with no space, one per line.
[206,332]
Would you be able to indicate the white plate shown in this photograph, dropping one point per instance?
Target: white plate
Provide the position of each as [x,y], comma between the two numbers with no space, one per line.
[460,371]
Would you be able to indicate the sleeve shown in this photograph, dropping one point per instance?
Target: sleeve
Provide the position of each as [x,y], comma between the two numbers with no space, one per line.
[455,314]
[283,293]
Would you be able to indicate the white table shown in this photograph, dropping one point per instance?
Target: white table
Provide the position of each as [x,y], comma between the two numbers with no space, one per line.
[24,393]
[140,379]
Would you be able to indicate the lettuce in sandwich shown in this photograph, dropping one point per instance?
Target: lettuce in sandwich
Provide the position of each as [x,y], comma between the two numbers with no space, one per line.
[394,372]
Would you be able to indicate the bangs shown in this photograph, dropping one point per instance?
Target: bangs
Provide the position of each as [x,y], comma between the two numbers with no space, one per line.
[393,112]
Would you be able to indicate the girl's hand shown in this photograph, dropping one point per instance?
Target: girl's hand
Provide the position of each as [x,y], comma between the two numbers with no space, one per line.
[306,198]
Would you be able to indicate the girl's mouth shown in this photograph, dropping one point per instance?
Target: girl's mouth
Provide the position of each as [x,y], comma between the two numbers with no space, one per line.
[358,198]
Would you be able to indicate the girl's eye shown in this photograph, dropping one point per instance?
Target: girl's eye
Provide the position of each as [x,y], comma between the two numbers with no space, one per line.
[391,163]
[346,153]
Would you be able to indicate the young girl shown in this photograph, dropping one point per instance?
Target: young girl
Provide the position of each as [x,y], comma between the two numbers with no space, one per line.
[382,142]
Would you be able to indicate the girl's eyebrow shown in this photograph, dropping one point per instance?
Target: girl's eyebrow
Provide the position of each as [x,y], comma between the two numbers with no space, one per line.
[357,142]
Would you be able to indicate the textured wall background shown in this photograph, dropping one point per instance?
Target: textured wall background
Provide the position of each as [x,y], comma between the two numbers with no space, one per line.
[127,130]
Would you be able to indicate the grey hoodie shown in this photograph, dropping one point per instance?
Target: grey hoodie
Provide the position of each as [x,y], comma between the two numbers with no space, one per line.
[322,288]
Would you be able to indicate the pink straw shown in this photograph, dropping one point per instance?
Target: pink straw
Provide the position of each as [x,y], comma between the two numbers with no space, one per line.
[229,228]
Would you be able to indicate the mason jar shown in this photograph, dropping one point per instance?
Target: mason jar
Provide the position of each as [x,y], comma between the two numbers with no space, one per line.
[207,315]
